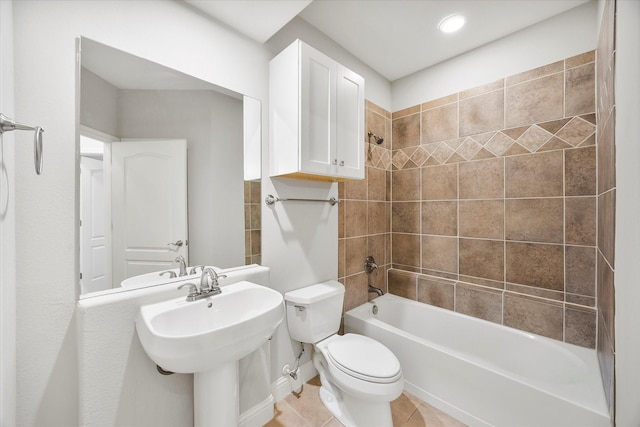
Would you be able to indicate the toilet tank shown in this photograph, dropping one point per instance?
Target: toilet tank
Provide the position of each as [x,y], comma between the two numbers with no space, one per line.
[314,312]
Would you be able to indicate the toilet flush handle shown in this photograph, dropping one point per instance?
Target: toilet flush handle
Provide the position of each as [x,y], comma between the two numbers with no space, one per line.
[300,307]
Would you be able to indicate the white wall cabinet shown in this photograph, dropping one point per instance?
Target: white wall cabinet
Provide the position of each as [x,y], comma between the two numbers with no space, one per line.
[316,128]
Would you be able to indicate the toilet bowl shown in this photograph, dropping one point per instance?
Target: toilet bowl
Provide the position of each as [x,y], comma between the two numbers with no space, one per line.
[359,375]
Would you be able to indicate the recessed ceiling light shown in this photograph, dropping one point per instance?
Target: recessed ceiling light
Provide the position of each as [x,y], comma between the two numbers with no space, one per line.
[451,23]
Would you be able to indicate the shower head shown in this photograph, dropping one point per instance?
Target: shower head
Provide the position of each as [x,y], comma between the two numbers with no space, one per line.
[378,139]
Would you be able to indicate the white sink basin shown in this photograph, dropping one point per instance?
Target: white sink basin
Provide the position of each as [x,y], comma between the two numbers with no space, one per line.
[199,336]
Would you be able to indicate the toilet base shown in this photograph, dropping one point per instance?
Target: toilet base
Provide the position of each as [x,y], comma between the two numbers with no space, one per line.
[354,412]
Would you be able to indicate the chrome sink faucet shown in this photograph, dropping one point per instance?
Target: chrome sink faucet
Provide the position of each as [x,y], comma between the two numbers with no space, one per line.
[205,289]
[183,265]
[214,287]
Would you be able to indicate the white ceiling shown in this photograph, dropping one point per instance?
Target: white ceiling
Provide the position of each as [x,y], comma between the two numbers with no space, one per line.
[258,19]
[394,37]
[126,71]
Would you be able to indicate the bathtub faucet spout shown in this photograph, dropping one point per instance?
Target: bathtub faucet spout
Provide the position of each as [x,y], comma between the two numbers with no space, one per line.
[376,290]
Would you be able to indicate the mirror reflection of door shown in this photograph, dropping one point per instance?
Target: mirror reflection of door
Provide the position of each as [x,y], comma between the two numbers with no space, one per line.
[95,238]
[137,228]
[149,205]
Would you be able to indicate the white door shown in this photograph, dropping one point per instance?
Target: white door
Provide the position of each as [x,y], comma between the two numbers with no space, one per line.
[92,231]
[149,205]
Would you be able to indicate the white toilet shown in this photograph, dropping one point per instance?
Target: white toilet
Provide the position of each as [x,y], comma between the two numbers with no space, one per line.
[359,375]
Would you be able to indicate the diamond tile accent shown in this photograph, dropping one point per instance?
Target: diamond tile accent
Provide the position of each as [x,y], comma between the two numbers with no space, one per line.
[430,148]
[374,155]
[431,161]
[419,156]
[455,143]
[456,158]
[482,138]
[499,144]
[576,131]
[484,154]
[399,159]
[515,133]
[554,144]
[469,148]
[589,141]
[534,138]
[442,153]
[516,149]
[554,125]
[385,160]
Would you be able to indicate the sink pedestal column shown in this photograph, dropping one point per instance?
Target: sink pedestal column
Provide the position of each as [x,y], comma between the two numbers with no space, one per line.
[216,396]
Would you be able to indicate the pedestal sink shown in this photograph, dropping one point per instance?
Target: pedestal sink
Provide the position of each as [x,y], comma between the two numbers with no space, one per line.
[208,337]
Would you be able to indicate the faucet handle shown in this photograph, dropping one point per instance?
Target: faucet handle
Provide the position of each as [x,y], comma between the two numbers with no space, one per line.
[172,274]
[194,269]
[370,265]
[193,291]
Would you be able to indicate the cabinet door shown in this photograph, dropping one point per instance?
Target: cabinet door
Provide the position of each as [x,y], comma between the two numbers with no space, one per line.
[317,107]
[350,124]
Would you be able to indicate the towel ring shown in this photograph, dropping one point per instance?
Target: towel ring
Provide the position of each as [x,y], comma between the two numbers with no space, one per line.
[7,125]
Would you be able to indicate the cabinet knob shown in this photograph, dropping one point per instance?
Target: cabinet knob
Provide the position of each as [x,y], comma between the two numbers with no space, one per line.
[335,161]
[341,162]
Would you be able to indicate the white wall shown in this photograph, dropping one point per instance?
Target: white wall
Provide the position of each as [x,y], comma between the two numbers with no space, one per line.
[99,103]
[627,268]
[7,226]
[46,206]
[554,39]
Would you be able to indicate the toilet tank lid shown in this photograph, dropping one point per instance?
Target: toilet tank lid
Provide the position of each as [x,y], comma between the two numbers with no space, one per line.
[314,293]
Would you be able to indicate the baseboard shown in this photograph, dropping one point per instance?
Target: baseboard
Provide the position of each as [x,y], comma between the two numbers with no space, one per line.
[259,415]
[285,384]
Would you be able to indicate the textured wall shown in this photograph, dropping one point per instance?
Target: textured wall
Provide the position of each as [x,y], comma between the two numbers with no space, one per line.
[46,205]
[7,226]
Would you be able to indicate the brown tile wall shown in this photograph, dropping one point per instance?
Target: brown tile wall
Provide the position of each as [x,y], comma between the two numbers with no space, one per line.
[606,191]
[252,220]
[364,212]
[494,202]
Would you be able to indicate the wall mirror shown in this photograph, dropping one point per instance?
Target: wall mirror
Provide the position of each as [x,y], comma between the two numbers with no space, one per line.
[162,172]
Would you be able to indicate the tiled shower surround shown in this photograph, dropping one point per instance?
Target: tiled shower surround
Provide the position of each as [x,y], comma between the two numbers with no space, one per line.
[606,200]
[364,226]
[490,203]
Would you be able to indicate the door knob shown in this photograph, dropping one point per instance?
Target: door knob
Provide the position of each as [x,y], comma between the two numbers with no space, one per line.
[177,244]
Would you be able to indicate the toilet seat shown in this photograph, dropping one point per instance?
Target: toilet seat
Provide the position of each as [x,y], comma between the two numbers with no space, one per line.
[363,358]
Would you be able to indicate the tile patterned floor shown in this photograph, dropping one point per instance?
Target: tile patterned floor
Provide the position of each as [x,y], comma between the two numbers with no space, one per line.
[308,411]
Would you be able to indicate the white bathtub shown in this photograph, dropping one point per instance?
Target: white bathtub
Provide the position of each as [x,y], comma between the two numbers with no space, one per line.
[483,373]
